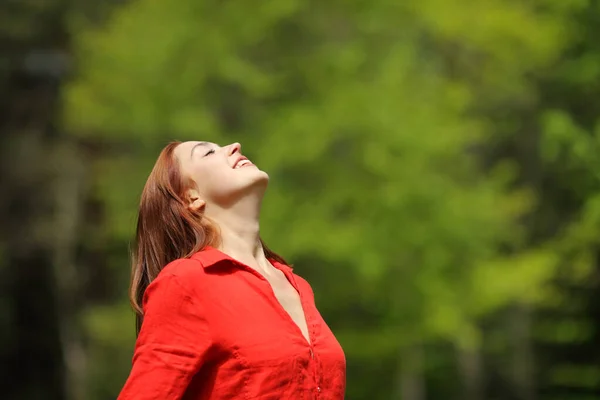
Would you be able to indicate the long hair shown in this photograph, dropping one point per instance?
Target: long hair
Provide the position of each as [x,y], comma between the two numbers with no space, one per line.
[167,229]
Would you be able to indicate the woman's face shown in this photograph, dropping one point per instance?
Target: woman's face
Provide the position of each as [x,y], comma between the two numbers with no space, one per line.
[221,174]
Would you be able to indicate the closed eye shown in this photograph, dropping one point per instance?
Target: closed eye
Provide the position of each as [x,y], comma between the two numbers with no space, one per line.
[208,153]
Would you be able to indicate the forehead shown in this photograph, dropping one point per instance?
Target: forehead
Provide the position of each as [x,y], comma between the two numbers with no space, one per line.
[185,149]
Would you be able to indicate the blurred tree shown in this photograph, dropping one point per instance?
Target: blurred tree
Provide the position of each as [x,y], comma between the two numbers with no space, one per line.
[32,39]
[403,142]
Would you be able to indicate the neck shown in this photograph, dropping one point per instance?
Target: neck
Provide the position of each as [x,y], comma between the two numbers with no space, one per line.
[240,231]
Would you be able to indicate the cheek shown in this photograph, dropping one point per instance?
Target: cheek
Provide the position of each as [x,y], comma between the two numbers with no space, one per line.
[212,181]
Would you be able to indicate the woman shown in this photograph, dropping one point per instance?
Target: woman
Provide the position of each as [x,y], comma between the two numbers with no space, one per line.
[219,315]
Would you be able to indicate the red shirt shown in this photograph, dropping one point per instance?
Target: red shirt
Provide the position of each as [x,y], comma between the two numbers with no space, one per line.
[213,329]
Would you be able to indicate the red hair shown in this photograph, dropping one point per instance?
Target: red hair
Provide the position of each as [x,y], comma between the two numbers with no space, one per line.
[167,229]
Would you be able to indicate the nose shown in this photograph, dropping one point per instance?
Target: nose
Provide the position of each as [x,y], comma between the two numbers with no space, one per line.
[234,148]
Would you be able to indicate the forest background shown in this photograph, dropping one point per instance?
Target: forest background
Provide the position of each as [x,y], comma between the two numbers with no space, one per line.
[434,175]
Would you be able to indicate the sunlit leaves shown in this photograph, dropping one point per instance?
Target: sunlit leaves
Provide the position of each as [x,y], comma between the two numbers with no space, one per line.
[367,117]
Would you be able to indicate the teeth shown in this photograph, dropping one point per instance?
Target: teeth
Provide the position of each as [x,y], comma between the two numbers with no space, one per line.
[242,163]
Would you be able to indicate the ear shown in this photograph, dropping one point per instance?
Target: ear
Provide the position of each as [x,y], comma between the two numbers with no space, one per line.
[195,202]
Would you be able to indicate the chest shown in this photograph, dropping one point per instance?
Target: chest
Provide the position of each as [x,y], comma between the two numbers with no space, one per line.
[256,323]
[253,313]
[289,299]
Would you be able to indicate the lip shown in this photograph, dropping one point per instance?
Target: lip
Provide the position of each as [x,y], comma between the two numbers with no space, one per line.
[240,159]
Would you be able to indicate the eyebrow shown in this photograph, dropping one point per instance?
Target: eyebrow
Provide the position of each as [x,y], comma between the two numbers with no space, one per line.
[197,145]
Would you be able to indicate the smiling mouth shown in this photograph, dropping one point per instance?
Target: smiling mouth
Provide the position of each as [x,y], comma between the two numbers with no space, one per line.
[243,163]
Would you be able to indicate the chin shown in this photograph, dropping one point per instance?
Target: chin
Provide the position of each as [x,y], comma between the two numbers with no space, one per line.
[256,179]
[263,174]
[262,179]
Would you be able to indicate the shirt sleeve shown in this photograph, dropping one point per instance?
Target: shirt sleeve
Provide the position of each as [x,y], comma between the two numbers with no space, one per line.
[172,345]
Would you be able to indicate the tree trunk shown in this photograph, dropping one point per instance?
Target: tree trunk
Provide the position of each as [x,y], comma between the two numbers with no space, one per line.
[410,384]
[69,192]
[31,359]
[471,368]
[522,368]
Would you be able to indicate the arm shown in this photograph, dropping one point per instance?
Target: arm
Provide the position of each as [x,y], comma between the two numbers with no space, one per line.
[172,344]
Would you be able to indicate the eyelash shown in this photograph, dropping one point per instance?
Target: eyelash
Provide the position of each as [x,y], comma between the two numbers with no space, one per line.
[211,151]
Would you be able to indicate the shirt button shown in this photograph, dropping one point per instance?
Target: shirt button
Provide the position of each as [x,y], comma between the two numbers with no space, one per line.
[312,354]
[319,389]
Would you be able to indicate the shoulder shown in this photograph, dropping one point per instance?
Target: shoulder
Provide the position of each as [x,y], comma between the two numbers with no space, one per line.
[179,281]
[191,270]
[183,273]
[183,268]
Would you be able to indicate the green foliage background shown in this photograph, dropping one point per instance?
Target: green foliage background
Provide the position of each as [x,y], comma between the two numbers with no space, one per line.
[433,174]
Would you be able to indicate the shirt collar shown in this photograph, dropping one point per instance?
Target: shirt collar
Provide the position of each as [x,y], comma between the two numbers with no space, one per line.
[211,257]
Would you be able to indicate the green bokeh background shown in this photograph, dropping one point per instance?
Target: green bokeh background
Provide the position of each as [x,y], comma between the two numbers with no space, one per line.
[434,175]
